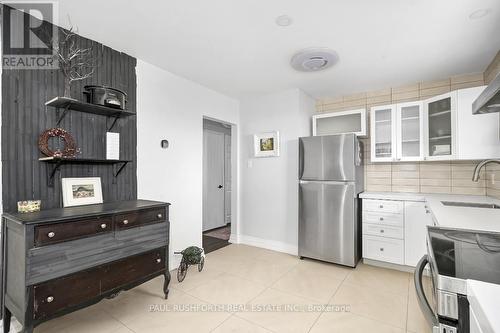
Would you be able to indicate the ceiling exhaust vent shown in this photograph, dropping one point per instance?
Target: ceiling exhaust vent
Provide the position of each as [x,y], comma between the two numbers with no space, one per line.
[314,59]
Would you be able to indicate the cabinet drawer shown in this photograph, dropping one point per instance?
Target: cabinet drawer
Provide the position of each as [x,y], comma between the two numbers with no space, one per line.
[383,231]
[383,218]
[383,249]
[58,294]
[122,272]
[383,206]
[59,232]
[135,219]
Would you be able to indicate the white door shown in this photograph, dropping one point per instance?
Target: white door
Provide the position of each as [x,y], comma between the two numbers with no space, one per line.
[383,133]
[213,180]
[417,218]
[410,131]
[440,122]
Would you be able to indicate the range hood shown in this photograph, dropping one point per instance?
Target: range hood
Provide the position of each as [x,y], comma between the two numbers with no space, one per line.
[489,100]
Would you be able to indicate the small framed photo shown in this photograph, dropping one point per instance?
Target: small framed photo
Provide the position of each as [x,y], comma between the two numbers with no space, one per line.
[267,144]
[81,191]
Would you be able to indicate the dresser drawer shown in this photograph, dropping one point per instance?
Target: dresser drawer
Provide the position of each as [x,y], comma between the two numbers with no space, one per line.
[122,272]
[60,232]
[383,206]
[383,218]
[137,218]
[383,231]
[69,291]
[383,249]
[62,293]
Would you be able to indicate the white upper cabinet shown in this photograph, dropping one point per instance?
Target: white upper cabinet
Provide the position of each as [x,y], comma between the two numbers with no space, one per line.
[352,121]
[477,134]
[383,133]
[440,114]
[409,131]
[439,128]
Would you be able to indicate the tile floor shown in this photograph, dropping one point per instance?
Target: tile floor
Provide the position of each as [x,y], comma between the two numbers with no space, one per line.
[380,300]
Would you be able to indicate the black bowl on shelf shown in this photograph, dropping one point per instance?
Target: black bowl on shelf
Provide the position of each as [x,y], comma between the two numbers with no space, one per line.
[106,96]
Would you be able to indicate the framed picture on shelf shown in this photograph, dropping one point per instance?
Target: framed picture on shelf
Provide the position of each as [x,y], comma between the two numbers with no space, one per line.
[81,191]
[266,144]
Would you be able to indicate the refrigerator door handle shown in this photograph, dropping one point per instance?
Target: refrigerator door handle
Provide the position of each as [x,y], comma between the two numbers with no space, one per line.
[427,310]
[301,159]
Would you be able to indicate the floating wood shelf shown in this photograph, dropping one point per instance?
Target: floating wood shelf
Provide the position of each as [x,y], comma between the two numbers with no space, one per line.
[67,104]
[56,163]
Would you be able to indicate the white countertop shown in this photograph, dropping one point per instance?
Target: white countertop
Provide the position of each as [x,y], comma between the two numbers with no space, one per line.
[394,196]
[484,299]
[481,219]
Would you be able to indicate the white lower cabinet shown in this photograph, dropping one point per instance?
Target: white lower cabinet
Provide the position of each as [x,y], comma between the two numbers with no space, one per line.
[417,218]
[395,231]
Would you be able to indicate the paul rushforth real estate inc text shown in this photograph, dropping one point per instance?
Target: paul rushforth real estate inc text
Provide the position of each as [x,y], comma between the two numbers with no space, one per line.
[249,308]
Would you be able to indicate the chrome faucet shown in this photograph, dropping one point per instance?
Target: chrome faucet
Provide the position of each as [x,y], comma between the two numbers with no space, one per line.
[479,166]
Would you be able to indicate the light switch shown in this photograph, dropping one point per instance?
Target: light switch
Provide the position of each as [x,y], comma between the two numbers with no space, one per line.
[249,164]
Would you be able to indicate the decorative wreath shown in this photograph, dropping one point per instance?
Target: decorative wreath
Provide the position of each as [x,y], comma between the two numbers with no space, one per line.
[69,143]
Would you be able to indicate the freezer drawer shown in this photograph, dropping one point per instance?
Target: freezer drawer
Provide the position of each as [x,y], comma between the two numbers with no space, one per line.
[328,222]
[332,157]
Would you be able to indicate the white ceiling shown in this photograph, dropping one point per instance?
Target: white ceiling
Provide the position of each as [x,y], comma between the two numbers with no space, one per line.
[235,47]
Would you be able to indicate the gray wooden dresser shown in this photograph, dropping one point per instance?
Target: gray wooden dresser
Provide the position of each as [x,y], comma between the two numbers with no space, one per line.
[60,260]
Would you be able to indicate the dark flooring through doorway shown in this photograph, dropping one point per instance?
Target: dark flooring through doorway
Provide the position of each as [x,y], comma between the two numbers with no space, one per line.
[216,238]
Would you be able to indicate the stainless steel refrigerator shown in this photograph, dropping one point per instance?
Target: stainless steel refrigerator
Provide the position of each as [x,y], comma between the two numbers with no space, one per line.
[330,178]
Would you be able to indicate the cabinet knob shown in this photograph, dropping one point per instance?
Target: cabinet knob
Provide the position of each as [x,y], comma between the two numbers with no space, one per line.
[159,216]
[427,211]
[381,219]
[381,249]
[50,299]
[125,221]
[158,260]
[51,234]
[382,231]
[381,206]
[103,226]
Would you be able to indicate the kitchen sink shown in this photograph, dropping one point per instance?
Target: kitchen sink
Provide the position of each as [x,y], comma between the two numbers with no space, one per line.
[471,204]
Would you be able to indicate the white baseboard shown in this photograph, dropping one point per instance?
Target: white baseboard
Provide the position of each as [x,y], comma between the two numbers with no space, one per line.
[234,239]
[265,244]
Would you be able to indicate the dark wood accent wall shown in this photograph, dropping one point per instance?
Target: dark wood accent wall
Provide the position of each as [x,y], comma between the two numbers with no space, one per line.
[25,117]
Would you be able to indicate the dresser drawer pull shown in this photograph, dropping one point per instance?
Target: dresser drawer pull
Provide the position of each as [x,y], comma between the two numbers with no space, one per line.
[381,206]
[158,260]
[159,216]
[381,249]
[103,226]
[125,222]
[382,231]
[51,234]
[381,219]
[50,299]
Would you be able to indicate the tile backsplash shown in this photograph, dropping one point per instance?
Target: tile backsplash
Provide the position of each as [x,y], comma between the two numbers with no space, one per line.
[428,177]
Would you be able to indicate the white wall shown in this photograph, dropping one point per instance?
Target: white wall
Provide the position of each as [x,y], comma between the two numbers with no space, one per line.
[268,196]
[172,108]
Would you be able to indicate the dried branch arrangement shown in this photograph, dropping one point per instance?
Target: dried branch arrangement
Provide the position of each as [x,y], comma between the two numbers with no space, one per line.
[76,63]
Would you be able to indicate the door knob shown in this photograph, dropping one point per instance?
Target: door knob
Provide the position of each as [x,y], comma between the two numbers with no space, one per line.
[220,186]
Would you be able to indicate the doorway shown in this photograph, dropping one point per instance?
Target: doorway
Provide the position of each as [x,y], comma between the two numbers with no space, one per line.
[216,185]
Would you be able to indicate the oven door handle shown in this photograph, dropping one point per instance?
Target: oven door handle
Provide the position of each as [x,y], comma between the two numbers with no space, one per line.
[427,310]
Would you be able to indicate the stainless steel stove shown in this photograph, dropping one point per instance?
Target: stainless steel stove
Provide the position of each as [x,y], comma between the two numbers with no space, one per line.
[453,257]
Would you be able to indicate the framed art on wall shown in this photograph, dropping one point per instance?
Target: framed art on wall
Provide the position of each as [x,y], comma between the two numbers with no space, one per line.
[266,144]
[81,191]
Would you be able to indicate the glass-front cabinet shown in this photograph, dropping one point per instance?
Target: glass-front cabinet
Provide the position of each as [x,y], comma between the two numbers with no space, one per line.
[410,131]
[440,122]
[383,134]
